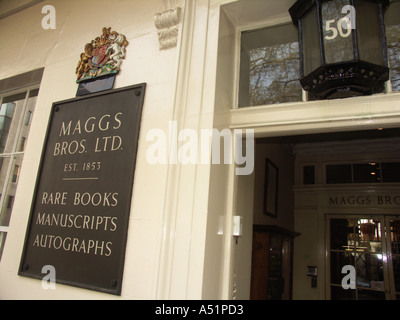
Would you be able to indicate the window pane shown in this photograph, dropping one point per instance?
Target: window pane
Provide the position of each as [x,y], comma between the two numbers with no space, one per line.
[366,173]
[338,261]
[338,293]
[342,233]
[396,271]
[22,145]
[370,232]
[3,236]
[337,47]
[370,295]
[357,242]
[6,115]
[33,93]
[309,175]
[395,251]
[4,169]
[270,67]
[311,42]
[369,270]
[16,113]
[392,21]
[391,172]
[15,174]
[10,114]
[8,187]
[15,120]
[395,236]
[338,174]
[27,120]
[369,32]
[14,97]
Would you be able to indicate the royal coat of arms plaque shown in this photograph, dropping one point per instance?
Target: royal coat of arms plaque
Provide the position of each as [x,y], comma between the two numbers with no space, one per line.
[101,60]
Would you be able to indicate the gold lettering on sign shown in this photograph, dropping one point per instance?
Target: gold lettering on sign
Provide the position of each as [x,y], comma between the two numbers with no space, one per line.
[364,200]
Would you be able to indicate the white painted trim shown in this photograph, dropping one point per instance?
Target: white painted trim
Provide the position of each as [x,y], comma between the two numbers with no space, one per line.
[184,221]
[172,189]
[371,112]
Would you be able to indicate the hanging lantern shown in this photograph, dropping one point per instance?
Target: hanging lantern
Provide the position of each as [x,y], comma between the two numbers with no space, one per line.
[342,46]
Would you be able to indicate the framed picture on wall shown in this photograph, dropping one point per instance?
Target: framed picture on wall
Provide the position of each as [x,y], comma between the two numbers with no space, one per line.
[271,189]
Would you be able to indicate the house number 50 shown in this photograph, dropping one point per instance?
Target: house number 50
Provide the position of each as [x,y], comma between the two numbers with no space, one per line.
[344,25]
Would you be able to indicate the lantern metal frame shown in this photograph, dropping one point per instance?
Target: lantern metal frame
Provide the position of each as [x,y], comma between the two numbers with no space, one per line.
[347,78]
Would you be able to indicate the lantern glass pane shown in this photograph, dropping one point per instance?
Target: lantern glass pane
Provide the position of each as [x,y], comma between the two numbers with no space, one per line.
[369,32]
[311,43]
[392,21]
[337,32]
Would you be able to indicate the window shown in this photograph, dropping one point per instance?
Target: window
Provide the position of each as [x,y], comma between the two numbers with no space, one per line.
[22,146]
[391,172]
[357,243]
[366,173]
[3,236]
[15,174]
[309,175]
[371,172]
[371,246]
[28,118]
[338,173]
[392,21]
[15,119]
[270,68]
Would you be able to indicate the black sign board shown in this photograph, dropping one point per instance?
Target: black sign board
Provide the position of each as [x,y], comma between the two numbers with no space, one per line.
[95,85]
[80,211]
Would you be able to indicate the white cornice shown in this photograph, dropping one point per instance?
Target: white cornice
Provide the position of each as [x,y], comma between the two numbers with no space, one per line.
[13,7]
[371,112]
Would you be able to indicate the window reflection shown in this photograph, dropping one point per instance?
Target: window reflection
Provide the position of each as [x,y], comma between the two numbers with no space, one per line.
[358,243]
[371,172]
[3,236]
[270,67]
[16,112]
[392,21]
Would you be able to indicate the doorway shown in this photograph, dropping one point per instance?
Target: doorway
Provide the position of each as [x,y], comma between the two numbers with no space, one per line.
[310,187]
[371,245]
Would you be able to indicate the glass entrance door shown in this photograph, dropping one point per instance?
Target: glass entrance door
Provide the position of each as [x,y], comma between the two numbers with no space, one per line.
[393,240]
[370,249]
